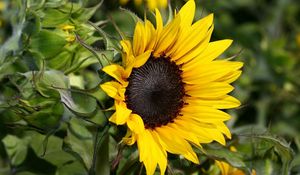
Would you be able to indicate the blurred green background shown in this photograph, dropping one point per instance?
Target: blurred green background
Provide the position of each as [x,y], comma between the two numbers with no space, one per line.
[53,115]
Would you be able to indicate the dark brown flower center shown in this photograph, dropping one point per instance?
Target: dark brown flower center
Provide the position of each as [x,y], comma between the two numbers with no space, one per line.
[155,91]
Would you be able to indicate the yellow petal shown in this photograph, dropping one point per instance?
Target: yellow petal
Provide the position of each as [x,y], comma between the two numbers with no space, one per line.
[231,77]
[126,46]
[209,91]
[205,114]
[129,138]
[224,167]
[175,144]
[187,13]
[151,152]
[113,118]
[135,123]
[159,22]
[114,90]
[127,56]
[226,102]
[190,53]
[139,39]
[117,72]
[200,31]
[212,133]
[209,72]
[151,35]
[224,129]
[142,59]
[211,52]
[159,150]
[183,133]
[167,37]
[122,113]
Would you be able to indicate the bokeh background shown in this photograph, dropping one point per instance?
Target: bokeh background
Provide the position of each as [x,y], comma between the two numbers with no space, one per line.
[53,115]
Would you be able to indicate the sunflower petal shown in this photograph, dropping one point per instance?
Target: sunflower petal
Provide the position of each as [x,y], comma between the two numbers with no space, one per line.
[130,138]
[175,144]
[151,35]
[200,31]
[167,37]
[142,59]
[122,113]
[114,90]
[226,102]
[139,39]
[159,22]
[135,123]
[209,72]
[211,90]
[116,71]
[187,13]
[205,114]
[231,77]
[151,153]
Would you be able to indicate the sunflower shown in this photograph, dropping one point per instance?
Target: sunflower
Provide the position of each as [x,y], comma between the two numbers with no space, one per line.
[169,89]
[151,4]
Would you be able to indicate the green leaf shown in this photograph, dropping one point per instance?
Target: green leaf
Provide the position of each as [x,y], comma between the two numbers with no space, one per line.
[32,24]
[84,14]
[48,81]
[282,148]
[81,149]
[54,18]
[48,118]
[79,103]
[61,61]
[233,158]
[47,43]
[78,129]
[16,149]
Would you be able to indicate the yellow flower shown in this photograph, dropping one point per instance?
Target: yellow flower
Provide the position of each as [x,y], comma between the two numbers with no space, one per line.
[170,88]
[68,30]
[151,4]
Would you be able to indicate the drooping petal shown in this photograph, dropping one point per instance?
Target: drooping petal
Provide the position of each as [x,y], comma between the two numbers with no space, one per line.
[135,123]
[114,90]
[130,138]
[175,144]
[151,153]
[116,71]
[122,113]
